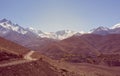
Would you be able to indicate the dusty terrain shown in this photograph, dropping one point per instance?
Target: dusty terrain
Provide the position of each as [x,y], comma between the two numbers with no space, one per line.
[16,60]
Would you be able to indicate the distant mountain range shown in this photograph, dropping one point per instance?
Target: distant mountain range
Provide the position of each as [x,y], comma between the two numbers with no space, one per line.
[9,28]
[105,31]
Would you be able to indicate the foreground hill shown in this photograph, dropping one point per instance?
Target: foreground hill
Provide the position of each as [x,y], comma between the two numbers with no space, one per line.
[88,48]
[104,44]
[16,60]
[11,47]
[70,46]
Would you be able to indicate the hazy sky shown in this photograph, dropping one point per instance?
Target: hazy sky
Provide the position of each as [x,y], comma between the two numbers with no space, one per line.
[53,15]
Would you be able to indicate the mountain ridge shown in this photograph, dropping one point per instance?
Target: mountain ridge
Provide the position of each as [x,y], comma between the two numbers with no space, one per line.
[7,27]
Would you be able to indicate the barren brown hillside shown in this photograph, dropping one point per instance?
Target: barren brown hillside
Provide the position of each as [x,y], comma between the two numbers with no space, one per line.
[16,60]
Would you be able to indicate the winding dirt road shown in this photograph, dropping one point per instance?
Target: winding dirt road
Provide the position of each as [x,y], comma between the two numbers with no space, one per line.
[27,58]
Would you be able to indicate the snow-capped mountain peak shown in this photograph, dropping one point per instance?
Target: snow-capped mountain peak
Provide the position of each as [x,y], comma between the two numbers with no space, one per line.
[101,28]
[105,31]
[116,26]
[37,32]
[31,29]
[9,26]
[64,34]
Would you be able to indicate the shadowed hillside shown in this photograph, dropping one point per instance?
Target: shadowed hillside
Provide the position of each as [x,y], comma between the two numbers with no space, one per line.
[12,47]
[16,60]
[88,48]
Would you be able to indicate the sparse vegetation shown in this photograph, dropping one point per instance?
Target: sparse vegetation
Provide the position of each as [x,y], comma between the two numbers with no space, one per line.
[8,56]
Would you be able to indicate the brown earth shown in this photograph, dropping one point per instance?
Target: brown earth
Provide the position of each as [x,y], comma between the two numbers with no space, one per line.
[20,61]
[88,48]
[16,60]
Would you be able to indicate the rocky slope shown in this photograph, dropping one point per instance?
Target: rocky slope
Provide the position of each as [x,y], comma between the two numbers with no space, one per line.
[16,60]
